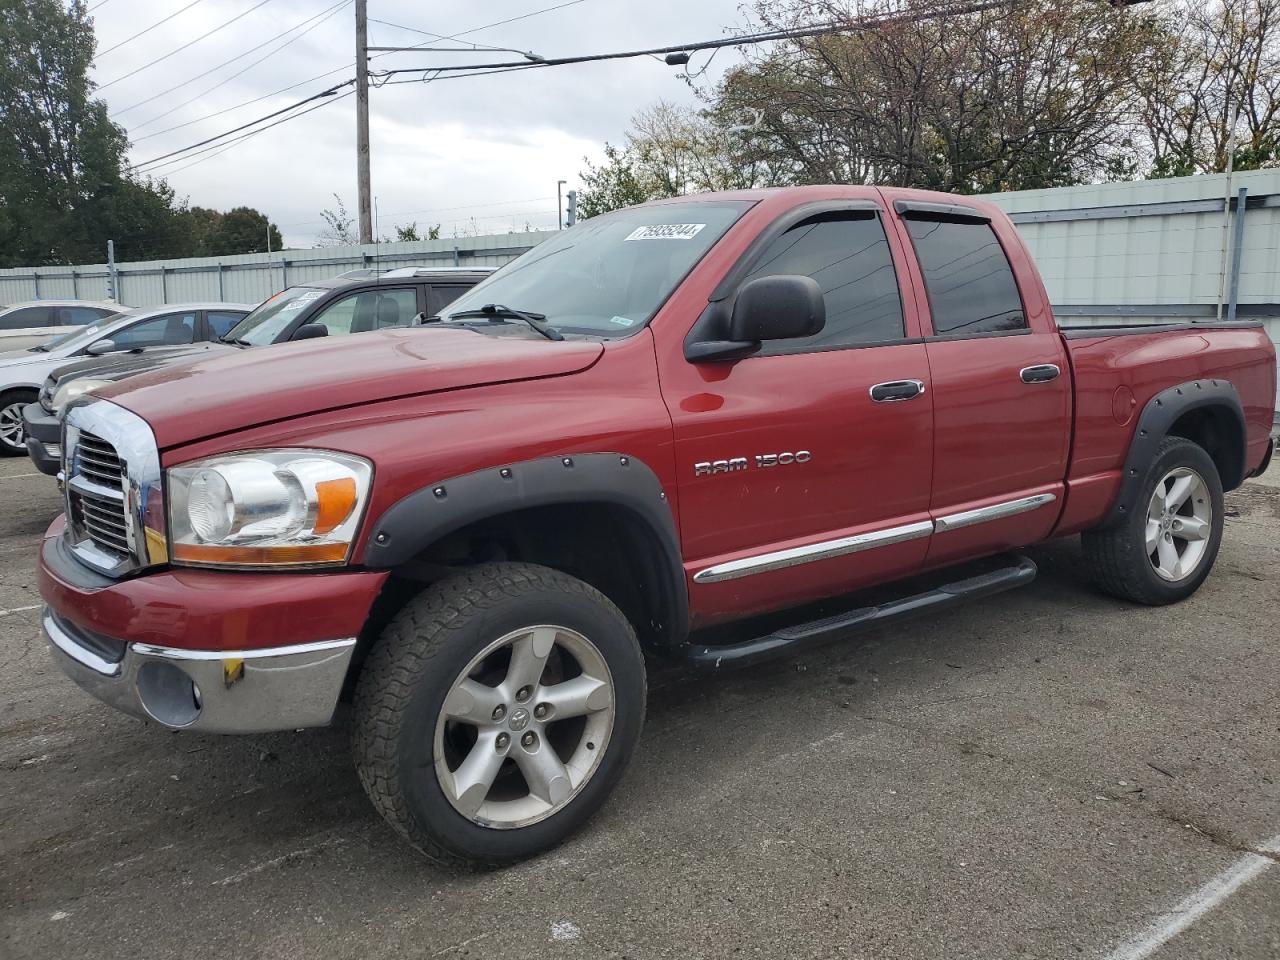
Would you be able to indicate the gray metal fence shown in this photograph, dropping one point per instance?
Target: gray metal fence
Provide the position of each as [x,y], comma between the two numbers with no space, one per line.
[1188,248]
[251,277]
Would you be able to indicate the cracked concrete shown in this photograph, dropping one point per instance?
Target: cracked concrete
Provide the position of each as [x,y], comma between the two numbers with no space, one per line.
[1041,774]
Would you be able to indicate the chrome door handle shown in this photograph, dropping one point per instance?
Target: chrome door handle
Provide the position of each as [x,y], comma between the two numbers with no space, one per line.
[893,391]
[1041,373]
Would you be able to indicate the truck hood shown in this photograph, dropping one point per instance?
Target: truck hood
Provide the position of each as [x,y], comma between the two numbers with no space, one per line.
[225,392]
[117,366]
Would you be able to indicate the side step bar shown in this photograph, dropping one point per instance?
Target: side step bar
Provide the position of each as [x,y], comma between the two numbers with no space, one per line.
[788,641]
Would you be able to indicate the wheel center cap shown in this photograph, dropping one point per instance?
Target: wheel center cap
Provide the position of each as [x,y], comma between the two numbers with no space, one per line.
[519,719]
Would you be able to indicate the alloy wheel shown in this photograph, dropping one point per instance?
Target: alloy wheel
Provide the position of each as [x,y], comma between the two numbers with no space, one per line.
[1179,524]
[11,426]
[524,727]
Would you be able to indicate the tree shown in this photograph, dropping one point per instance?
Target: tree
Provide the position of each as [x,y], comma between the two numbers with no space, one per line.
[1016,98]
[407,233]
[1216,80]
[671,150]
[243,230]
[337,225]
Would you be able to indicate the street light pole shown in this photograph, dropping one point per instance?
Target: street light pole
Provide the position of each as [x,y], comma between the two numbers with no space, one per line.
[559,205]
[364,184]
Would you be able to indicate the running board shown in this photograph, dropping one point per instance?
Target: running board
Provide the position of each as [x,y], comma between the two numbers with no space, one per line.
[788,641]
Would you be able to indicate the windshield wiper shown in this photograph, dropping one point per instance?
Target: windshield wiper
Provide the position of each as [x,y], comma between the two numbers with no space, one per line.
[497,312]
[236,341]
[41,348]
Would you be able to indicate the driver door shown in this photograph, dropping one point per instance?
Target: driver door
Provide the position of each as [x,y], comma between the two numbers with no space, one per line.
[800,475]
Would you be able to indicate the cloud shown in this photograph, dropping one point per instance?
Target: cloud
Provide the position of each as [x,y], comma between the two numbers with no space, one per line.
[491,148]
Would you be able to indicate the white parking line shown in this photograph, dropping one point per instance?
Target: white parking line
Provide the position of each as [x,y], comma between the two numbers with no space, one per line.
[19,476]
[1195,906]
[5,613]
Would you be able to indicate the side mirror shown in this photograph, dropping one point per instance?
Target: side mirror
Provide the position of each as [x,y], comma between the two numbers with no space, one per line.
[99,347]
[310,331]
[778,308]
[768,308]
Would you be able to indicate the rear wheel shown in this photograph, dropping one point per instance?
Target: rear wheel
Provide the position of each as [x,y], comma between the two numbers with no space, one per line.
[13,443]
[497,712]
[1163,552]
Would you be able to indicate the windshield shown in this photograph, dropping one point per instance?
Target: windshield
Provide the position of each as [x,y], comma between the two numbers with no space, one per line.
[272,317]
[80,336]
[607,276]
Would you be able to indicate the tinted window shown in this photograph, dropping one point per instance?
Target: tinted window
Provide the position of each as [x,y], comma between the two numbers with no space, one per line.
[221,321]
[371,310]
[967,276]
[169,330]
[441,295]
[27,317]
[79,316]
[849,257]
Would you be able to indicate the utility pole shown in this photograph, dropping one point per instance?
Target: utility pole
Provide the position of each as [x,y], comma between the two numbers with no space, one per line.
[572,216]
[364,185]
[559,205]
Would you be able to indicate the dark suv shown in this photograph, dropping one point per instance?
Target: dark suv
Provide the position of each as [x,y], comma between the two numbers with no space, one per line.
[323,308]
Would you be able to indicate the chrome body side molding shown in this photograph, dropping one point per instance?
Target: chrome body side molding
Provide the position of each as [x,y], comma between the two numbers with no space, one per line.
[998,511]
[825,550]
[828,549]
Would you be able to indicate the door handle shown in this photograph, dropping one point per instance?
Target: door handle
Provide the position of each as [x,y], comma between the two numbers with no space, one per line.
[1041,373]
[894,390]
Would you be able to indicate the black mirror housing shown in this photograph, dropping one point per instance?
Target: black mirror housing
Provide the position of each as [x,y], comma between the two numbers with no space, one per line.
[778,308]
[310,331]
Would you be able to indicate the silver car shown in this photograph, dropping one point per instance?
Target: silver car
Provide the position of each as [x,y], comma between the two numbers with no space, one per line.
[22,372]
[27,324]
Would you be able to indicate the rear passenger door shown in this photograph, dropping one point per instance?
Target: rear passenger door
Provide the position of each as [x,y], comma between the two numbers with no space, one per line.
[1001,387]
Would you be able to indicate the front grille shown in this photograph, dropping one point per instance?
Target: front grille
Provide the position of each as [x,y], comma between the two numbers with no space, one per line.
[98,505]
[99,462]
[114,496]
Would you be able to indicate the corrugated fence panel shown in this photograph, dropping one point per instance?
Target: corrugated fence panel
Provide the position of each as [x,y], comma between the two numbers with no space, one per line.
[1109,253]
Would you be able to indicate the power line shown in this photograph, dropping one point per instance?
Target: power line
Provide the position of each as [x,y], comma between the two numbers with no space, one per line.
[244,126]
[103,53]
[852,26]
[218,113]
[189,43]
[462,33]
[100,3]
[332,11]
[238,56]
[156,164]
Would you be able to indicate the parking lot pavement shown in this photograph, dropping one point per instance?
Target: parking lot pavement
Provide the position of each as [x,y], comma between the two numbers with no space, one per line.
[1047,773]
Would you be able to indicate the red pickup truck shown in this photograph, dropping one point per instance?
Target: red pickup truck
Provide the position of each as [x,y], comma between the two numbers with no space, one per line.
[668,418]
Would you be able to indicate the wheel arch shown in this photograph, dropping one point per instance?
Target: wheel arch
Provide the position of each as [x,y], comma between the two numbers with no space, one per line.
[602,517]
[1206,412]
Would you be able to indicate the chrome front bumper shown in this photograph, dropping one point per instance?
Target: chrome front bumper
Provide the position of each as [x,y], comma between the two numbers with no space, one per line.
[243,691]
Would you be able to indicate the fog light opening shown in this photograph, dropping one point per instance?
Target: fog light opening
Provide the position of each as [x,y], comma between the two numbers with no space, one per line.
[168,695]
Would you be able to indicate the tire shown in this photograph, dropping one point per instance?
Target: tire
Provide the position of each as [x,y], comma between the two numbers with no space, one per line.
[435,692]
[12,441]
[1119,556]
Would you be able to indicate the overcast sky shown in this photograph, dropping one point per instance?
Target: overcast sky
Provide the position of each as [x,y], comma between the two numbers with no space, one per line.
[491,148]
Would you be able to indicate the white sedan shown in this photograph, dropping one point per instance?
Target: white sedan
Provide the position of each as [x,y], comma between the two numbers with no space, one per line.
[23,371]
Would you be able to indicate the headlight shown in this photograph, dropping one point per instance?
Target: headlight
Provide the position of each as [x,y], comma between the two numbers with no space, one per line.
[75,388]
[267,508]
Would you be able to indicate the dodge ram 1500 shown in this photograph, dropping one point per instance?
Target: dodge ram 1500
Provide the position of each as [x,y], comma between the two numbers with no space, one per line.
[667,418]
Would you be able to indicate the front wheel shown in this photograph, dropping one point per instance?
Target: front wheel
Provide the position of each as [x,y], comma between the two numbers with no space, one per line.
[1161,554]
[13,442]
[497,712]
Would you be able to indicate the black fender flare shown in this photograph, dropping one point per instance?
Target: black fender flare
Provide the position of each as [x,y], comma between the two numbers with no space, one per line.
[1157,417]
[423,517]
